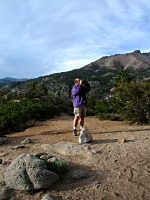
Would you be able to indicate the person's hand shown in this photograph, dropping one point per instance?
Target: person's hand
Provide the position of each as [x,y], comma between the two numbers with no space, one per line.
[81,81]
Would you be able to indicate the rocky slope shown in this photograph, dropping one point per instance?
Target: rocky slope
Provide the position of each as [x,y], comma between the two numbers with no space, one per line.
[9,80]
[100,74]
[134,60]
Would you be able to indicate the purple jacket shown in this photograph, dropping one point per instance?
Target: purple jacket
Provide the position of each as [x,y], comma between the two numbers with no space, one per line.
[78,96]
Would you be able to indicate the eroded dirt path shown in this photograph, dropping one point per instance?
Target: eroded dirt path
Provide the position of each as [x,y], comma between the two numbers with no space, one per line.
[117,170]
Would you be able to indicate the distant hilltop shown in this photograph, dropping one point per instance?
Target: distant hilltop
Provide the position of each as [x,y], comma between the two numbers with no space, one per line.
[100,74]
[8,80]
[134,60]
[104,69]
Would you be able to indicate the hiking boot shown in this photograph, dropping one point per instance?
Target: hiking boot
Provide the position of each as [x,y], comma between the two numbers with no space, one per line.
[75,132]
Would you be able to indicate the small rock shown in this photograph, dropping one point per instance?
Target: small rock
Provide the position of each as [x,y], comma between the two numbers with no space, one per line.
[95,151]
[44,157]
[18,147]
[27,141]
[79,174]
[122,140]
[47,197]
[53,159]
[38,155]
[50,197]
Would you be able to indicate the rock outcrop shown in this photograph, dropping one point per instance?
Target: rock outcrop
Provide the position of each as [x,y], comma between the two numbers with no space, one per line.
[28,172]
[68,148]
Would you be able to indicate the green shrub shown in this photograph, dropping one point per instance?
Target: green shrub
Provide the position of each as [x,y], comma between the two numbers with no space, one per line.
[109,116]
[16,116]
[57,165]
[129,101]
[133,100]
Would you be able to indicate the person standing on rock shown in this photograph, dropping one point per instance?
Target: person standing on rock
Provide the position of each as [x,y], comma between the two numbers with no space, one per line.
[79,98]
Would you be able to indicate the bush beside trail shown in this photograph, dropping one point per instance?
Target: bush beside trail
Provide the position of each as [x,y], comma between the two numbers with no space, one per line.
[129,100]
[18,115]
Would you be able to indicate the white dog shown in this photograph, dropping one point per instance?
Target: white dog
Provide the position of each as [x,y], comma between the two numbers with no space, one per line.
[85,136]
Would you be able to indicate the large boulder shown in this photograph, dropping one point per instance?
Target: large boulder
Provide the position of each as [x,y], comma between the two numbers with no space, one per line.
[28,172]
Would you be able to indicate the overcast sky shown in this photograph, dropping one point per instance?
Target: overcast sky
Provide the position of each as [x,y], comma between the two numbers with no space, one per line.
[41,37]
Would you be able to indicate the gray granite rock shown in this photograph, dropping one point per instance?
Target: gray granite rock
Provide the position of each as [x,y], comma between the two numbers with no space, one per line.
[28,172]
[38,173]
[16,176]
[67,148]
[26,141]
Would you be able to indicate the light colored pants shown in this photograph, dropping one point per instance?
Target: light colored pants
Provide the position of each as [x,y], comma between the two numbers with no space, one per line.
[81,111]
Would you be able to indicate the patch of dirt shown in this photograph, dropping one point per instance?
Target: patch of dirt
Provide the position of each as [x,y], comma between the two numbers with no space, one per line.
[118,170]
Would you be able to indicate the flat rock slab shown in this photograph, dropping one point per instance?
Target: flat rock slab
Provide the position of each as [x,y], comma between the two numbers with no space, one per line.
[68,148]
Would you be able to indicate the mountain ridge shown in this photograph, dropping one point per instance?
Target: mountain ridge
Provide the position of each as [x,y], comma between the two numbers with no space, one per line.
[8,80]
[135,59]
[100,74]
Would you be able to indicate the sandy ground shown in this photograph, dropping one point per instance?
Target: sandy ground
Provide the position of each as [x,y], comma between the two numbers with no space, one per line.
[117,170]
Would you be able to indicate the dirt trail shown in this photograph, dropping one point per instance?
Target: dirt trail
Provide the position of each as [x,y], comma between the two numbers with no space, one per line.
[117,170]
